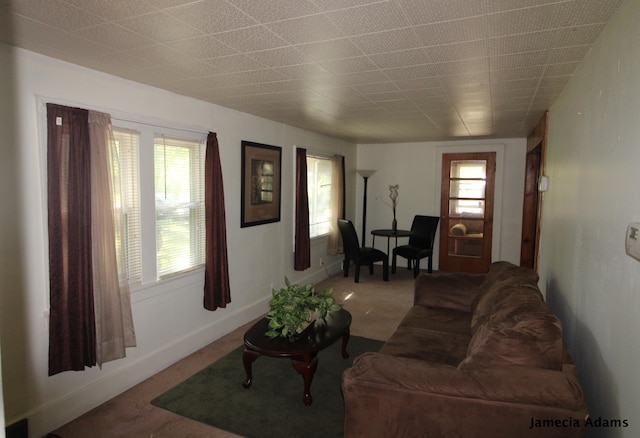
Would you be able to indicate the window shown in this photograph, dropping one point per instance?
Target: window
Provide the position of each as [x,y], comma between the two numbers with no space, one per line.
[319,188]
[179,198]
[126,198]
[164,172]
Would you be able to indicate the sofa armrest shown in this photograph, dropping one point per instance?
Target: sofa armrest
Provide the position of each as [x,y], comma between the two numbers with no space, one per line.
[513,384]
[453,290]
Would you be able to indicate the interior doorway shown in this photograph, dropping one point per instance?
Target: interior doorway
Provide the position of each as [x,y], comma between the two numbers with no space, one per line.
[466,211]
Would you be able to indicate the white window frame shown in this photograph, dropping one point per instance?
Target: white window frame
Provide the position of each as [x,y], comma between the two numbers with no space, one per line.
[148,243]
[317,227]
[194,257]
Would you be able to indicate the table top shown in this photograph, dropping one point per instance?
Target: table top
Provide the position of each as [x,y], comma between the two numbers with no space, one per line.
[315,338]
[391,233]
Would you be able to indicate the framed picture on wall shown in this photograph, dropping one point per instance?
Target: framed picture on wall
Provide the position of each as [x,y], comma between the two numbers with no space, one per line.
[261,177]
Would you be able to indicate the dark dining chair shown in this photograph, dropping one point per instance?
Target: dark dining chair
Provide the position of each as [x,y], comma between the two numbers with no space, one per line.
[360,255]
[423,233]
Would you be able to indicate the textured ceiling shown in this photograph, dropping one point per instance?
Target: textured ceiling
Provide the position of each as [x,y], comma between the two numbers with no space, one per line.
[363,70]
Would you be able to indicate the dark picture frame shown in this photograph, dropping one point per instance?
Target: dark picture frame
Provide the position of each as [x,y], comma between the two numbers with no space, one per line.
[261,180]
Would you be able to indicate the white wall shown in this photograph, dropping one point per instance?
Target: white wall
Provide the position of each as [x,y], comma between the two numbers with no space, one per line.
[169,317]
[416,167]
[593,163]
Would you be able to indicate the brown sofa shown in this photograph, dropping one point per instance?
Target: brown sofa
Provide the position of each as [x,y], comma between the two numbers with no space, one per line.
[478,355]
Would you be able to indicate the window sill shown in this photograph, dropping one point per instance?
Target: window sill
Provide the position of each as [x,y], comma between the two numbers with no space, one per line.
[167,284]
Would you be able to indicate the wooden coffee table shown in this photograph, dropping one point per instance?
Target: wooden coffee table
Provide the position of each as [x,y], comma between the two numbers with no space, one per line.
[303,351]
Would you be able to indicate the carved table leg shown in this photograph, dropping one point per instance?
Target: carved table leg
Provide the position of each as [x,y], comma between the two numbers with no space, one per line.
[248,357]
[306,369]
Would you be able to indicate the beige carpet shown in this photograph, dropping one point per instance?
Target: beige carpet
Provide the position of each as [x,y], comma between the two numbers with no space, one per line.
[376,306]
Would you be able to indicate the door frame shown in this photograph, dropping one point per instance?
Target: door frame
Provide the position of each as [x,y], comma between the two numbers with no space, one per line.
[536,143]
[498,148]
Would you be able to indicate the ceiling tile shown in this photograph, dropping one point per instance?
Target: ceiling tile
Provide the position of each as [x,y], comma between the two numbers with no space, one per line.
[280,57]
[413,72]
[56,13]
[334,5]
[306,30]
[235,63]
[158,54]
[434,12]
[114,36]
[212,16]
[276,10]
[403,58]
[503,62]
[372,18]
[202,47]
[528,42]
[457,52]
[310,72]
[517,73]
[567,54]
[251,39]
[387,41]
[449,32]
[160,27]
[564,69]
[378,87]
[117,9]
[329,50]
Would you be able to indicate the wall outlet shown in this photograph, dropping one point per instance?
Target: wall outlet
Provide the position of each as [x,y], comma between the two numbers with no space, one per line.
[321,262]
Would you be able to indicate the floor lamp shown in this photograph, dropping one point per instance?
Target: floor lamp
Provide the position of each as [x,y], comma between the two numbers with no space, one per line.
[365,173]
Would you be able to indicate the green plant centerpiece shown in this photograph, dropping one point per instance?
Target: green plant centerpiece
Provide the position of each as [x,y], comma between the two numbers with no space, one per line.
[294,307]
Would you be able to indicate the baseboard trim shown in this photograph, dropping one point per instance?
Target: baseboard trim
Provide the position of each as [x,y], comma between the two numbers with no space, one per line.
[74,404]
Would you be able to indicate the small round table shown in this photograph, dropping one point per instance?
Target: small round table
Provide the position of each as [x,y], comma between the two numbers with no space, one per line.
[303,351]
[389,234]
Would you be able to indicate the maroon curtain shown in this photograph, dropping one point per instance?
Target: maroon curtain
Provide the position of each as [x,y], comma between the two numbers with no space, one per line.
[217,292]
[72,337]
[302,258]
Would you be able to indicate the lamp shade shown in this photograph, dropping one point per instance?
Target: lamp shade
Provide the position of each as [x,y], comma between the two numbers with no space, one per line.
[366,173]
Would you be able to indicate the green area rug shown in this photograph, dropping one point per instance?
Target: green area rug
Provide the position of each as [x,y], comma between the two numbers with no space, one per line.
[273,406]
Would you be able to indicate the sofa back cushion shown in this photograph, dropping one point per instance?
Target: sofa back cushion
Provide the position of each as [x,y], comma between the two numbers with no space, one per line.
[501,275]
[520,332]
[507,272]
[504,295]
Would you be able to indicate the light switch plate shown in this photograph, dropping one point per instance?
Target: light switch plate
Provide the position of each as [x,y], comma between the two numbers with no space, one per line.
[632,241]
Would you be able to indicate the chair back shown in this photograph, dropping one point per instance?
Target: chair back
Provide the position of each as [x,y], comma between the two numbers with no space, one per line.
[349,239]
[423,231]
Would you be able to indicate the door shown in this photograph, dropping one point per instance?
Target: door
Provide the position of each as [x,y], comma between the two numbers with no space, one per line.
[528,248]
[466,211]
[532,205]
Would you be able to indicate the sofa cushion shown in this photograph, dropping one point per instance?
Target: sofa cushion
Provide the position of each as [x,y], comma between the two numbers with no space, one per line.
[526,335]
[438,319]
[427,345]
[507,296]
[504,272]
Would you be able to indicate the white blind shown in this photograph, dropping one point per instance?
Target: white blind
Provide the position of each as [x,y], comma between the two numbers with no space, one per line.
[179,190]
[319,190]
[127,199]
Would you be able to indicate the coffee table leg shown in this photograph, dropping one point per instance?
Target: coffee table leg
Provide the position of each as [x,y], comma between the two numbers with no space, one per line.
[345,341]
[306,369]
[248,356]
